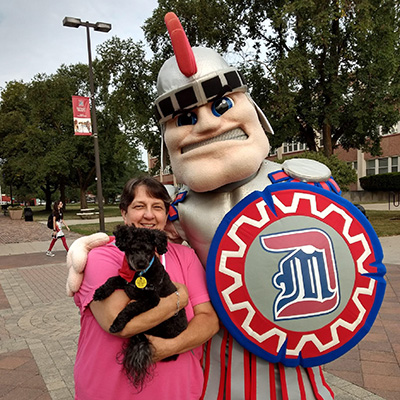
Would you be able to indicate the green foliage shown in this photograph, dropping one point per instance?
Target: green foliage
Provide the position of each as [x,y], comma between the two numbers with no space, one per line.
[343,174]
[381,182]
[316,67]
[211,23]
[39,151]
[123,66]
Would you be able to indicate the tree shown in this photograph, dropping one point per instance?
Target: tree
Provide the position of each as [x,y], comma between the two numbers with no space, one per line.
[39,148]
[123,66]
[319,68]
[53,139]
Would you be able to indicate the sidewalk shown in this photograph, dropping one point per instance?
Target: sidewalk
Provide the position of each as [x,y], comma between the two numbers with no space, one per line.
[39,325]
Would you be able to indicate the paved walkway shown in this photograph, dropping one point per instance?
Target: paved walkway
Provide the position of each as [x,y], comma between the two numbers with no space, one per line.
[39,325]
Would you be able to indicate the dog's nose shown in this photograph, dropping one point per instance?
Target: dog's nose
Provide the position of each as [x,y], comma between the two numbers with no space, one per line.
[141,264]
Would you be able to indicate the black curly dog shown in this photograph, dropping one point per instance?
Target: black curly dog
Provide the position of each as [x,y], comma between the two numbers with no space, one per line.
[140,245]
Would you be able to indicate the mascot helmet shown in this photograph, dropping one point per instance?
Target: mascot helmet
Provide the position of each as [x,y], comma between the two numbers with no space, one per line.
[195,76]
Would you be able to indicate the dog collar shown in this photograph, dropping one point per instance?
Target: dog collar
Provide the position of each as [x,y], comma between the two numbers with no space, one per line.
[141,281]
[150,264]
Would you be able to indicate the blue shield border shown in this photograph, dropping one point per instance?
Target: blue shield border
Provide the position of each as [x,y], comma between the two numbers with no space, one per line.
[236,332]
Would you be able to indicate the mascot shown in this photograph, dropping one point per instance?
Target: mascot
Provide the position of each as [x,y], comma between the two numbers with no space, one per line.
[294,271]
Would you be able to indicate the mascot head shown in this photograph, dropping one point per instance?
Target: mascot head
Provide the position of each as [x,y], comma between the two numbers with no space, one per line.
[214,132]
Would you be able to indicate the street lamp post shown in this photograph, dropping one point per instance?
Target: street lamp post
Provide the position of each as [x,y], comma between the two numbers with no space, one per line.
[100,27]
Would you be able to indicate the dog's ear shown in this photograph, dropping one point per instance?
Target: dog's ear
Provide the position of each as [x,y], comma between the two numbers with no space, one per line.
[121,236]
[160,240]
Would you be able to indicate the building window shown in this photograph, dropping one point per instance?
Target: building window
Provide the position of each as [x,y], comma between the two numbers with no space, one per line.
[370,167]
[294,146]
[288,147]
[383,165]
[352,164]
[395,164]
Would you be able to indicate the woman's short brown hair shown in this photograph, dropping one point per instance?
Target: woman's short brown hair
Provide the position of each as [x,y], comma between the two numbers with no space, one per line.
[154,189]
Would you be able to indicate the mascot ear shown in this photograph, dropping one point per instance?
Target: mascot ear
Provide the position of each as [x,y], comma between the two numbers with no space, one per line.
[160,241]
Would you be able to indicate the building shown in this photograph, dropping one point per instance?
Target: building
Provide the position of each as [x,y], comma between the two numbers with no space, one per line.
[364,163]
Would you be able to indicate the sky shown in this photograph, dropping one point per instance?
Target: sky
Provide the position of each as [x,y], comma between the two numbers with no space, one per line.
[33,39]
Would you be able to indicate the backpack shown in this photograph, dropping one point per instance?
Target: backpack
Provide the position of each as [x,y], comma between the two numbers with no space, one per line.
[50,221]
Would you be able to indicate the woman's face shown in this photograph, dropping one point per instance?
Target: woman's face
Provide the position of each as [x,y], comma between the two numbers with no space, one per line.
[145,211]
[60,204]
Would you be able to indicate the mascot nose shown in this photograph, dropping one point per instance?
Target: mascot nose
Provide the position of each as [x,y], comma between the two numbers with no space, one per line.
[207,121]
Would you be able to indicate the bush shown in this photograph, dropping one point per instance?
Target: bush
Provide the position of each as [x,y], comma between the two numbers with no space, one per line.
[343,174]
[381,182]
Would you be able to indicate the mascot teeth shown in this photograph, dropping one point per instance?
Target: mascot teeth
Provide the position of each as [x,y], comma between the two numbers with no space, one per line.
[234,134]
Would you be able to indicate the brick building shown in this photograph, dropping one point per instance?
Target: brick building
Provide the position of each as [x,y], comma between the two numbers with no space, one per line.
[363,163]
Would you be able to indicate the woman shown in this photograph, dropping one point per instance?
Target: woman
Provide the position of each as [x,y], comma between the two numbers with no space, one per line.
[58,222]
[98,375]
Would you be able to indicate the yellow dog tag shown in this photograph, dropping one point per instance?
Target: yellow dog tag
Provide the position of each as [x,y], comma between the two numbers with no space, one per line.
[141,282]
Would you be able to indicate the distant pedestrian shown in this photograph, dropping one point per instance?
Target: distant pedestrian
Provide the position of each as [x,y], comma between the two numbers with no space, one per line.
[58,223]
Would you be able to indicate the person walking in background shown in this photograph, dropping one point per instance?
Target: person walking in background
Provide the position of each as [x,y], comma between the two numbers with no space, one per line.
[58,223]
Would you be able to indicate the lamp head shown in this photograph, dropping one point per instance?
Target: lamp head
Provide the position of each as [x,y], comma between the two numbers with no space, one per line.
[72,22]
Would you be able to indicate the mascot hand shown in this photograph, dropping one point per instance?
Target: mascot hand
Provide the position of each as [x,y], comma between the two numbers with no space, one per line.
[77,257]
[172,234]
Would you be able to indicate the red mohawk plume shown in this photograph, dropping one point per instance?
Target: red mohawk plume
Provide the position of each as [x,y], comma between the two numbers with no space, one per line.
[180,43]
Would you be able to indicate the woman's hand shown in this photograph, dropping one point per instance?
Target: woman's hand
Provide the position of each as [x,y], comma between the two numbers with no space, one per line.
[105,311]
[161,347]
[202,327]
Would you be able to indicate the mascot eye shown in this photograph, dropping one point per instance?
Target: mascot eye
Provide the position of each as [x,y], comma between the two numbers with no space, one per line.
[220,106]
[189,118]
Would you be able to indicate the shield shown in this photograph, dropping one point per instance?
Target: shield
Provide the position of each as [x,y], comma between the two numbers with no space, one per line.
[295,274]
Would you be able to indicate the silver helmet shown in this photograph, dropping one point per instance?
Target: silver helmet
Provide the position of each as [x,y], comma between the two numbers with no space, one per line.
[194,77]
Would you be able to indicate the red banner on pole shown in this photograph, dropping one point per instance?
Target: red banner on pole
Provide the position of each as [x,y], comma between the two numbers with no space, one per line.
[81,111]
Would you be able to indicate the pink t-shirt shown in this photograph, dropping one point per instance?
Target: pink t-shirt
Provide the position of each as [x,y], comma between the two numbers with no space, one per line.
[97,374]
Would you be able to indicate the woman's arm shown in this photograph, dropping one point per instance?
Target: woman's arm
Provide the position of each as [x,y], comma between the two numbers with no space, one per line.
[105,311]
[203,326]
[65,224]
[55,229]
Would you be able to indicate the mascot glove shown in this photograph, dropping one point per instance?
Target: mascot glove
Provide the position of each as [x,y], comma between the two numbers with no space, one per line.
[77,257]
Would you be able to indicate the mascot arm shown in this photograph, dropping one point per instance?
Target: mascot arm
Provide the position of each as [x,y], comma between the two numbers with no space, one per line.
[77,257]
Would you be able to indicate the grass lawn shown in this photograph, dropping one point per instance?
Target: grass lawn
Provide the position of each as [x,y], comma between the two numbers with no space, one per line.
[88,229]
[40,214]
[385,223]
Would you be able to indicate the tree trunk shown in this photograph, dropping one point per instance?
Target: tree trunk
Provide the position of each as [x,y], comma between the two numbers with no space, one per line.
[47,193]
[327,139]
[62,194]
[83,198]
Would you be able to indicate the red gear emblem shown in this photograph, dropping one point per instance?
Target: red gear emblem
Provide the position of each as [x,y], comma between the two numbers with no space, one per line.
[296,275]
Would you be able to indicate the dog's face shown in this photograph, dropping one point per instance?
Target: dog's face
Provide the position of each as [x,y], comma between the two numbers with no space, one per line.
[140,244]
